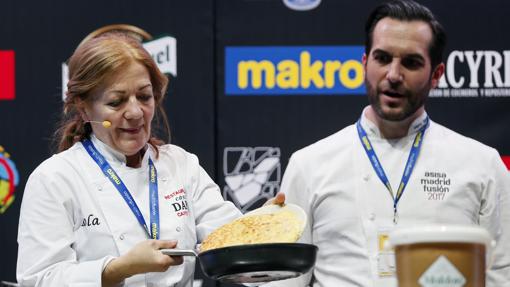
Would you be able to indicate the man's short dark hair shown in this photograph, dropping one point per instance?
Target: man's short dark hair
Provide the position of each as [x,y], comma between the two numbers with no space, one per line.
[408,10]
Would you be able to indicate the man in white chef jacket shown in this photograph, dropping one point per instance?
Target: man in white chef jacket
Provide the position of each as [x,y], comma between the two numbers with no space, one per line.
[348,183]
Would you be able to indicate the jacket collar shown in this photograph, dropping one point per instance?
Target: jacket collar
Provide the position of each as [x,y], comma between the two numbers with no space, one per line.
[116,158]
[372,130]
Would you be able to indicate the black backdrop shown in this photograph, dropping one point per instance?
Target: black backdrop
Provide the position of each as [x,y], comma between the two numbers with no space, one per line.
[243,140]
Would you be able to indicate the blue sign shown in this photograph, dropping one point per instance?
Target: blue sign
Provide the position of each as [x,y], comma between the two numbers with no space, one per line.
[307,70]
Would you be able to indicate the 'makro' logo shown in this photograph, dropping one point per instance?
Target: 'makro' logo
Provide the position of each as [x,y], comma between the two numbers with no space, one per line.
[7,75]
[9,179]
[327,70]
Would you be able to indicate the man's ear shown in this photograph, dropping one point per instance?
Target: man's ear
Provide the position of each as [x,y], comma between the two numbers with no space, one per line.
[364,60]
[436,75]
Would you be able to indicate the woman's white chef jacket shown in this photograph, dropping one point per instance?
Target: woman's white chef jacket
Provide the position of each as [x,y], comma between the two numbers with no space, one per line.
[348,205]
[73,220]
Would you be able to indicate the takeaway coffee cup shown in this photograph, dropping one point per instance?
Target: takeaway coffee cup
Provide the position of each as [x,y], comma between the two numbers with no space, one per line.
[441,255]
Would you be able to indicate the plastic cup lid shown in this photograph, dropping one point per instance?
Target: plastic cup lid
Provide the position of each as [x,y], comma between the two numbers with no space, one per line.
[440,233]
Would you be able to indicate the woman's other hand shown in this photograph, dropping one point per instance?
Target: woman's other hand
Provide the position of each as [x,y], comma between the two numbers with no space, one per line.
[278,199]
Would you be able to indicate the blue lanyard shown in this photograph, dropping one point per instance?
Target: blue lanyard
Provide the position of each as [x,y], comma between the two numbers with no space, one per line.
[108,171]
[376,164]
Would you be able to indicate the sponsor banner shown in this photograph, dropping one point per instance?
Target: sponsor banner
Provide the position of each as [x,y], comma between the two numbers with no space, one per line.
[475,74]
[164,52]
[7,82]
[307,70]
[302,5]
[252,175]
[9,179]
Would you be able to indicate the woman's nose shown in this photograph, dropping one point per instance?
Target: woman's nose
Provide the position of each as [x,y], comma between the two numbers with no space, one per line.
[133,109]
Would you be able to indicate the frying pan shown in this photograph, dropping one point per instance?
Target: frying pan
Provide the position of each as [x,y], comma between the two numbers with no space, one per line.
[258,262]
[254,263]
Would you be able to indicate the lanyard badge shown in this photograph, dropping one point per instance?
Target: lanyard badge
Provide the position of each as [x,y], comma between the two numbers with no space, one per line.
[110,173]
[379,170]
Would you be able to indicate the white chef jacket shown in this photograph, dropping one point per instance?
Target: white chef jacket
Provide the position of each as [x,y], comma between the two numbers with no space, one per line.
[348,205]
[73,220]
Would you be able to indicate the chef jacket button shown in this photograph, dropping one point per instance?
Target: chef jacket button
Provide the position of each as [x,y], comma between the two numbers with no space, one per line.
[121,237]
[366,177]
[178,229]
[371,216]
[100,188]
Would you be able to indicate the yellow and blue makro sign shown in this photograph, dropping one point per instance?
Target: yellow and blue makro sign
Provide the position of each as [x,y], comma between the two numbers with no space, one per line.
[306,70]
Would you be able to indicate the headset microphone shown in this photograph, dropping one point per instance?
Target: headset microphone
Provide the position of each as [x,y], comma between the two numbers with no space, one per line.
[105,124]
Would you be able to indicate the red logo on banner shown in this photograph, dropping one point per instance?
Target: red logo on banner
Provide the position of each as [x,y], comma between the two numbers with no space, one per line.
[6,75]
[506,160]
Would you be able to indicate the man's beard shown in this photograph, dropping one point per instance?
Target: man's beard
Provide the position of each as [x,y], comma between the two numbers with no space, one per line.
[411,105]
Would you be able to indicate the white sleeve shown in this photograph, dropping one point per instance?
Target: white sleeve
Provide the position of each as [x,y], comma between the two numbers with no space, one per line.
[495,216]
[297,191]
[209,208]
[46,236]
